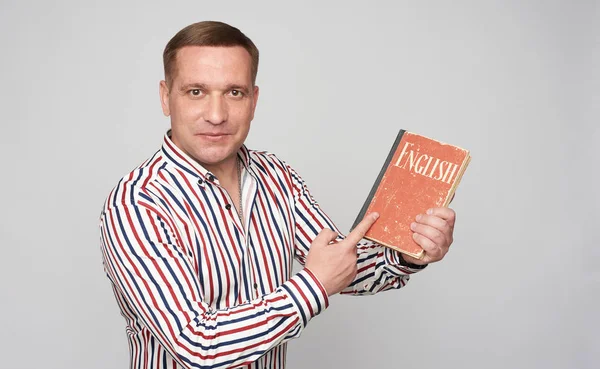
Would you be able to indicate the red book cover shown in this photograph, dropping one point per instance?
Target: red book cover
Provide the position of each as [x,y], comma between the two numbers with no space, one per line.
[419,173]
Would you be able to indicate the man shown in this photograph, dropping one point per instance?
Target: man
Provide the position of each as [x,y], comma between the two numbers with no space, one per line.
[198,241]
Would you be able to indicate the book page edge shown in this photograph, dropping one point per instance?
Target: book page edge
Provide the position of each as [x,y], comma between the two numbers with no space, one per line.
[419,256]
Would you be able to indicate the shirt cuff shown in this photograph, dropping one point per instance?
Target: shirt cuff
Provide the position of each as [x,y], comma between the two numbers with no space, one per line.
[308,295]
[394,258]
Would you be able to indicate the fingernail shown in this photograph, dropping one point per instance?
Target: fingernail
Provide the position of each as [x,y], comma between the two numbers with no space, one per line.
[415,236]
[375,215]
[430,211]
[413,226]
[419,217]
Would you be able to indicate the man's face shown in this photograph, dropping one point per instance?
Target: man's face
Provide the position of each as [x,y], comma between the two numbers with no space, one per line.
[211,102]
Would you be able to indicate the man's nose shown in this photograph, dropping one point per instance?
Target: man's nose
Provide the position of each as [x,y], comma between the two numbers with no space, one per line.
[216,110]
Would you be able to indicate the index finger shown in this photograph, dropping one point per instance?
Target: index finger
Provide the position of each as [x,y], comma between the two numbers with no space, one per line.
[361,229]
[445,213]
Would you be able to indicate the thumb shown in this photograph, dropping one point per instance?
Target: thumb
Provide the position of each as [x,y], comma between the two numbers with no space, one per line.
[361,229]
[325,237]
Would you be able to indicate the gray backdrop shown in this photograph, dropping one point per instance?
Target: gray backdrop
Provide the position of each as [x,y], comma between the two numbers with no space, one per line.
[516,82]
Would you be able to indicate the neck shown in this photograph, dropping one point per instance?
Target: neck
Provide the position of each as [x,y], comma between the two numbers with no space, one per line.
[225,171]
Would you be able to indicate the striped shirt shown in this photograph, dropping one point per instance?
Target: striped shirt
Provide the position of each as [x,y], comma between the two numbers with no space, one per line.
[199,289]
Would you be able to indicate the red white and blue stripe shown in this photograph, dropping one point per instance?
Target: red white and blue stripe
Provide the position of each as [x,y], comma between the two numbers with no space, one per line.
[199,289]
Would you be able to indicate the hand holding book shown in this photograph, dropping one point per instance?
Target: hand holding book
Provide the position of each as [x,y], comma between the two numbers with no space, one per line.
[433,231]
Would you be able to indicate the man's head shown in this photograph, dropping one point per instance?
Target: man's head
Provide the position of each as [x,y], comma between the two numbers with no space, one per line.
[208,33]
[209,91]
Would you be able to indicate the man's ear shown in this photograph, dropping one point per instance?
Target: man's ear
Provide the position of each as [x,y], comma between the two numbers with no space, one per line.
[163,91]
[255,99]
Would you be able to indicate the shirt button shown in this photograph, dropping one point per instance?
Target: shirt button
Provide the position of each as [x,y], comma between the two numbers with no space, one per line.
[255,286]
[200,182]
[211,177]
[228,206]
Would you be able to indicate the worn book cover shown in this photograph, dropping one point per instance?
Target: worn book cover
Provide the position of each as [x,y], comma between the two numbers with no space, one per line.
[419,173]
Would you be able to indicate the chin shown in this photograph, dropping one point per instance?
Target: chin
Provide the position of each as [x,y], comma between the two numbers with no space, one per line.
[214,156]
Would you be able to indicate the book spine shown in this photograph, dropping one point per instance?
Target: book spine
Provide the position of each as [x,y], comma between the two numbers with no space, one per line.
[367,202]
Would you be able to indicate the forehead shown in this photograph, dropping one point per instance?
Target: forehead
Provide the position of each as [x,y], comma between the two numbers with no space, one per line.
[213,64]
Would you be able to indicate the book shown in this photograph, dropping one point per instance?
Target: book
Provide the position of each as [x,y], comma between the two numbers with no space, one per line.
[419,173]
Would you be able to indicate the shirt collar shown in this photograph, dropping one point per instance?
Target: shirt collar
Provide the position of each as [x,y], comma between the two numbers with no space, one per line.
[183,161]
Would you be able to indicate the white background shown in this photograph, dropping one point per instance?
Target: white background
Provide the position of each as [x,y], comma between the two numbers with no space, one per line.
[516,82]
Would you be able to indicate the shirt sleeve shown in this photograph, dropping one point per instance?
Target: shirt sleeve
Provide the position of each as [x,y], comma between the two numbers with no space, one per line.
[151,272]
[379,268]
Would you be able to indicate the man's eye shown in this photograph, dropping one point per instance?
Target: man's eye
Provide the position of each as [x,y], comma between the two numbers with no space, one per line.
[195,92]
[236,93]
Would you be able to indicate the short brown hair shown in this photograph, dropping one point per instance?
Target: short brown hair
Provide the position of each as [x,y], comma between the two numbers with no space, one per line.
[207,33]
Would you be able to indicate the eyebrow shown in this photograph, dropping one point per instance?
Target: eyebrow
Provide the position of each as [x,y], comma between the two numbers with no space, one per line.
[190,86]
